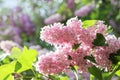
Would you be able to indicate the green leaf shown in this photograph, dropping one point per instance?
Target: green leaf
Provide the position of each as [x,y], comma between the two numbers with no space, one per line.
[8,77]
[6,60]
[75,46]
[109,29]
[91,58]
[6,70]
[105,75]
[17,66]
[69,57]
[26,59]
[116,68]
[54,77]
[74,68]
[91,77]
[115,57]
[88,23]
[24,62]
[100,40]
[15,52]
[64,78]
[96,72]
[118,73]
[3,56]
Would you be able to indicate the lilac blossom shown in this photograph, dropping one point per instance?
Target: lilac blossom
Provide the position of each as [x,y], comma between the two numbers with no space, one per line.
[63,37]
[85,10]
[8,45]
[53,18]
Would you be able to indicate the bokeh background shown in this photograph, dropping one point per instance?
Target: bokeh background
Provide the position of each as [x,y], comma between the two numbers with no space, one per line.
[22,20]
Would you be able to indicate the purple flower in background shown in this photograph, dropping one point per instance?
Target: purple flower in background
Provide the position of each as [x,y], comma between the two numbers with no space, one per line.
[8,45]
[53,18]
[17,9]
[71,4]
[86,76]
[114,2]
[27,24]
[85,10]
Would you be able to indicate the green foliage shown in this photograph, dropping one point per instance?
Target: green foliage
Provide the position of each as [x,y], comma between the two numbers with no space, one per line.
[17,66]
[75,46]
[115,57]
[22,63]
[64,78]
[88,23]
[100,40]
[15,52]
[6,70]
[26,59]
[109,29]
[91,58]
[96,72]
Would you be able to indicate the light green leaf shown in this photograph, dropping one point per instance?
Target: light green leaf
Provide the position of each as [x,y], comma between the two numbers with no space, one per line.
[6,70]
[91,77]
[15,52]
[26,59]
[88,23]
[64,78]
[24,62]
[118,73]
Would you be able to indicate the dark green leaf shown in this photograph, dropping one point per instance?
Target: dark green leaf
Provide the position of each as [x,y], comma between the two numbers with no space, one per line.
[96,72]
[75,46]
[88,23]
[54,77]
[74,68]
[100,40]
[91,58]
[69,57]
[17,66]
[115,57]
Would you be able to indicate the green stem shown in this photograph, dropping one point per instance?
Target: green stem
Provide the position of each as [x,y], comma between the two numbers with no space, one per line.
[76,75]
[34,73]
[113,72]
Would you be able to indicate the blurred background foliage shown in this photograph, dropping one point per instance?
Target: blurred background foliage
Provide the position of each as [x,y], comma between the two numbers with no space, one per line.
[22,20]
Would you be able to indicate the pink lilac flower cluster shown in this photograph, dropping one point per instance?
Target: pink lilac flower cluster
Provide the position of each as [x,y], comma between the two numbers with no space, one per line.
[64,37]
[53,62]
